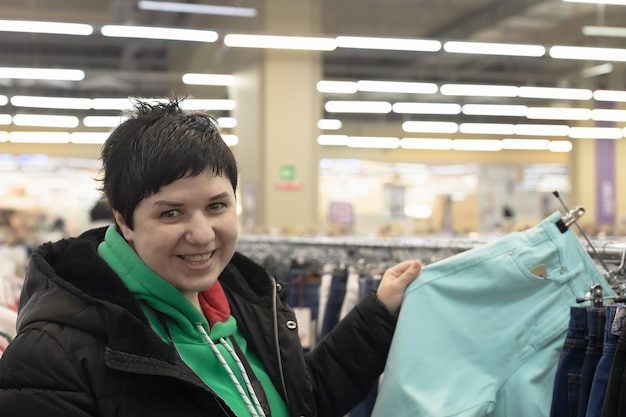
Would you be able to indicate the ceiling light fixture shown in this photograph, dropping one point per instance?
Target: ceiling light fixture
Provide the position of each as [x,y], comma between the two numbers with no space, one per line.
[226,122]
[609,31]
[426,108]
[54,28]
[588,53]
[560,146]
[42,74]
[3,100]
[39,137]
[377,142]
[357,107]
[45,120]
[392,44]
[615,2]
[555,93]
[526,144]
[608,115]
[329,124]
[167,6]
[541,130]
[208,79]
[478,90]
[332,140]
[487,128]
[343,87]
[148,32]
[5,119]
[558,113]
[207,104]
[103,121]
[280,42]
[595,133]
[476,145]
[495,110]
[89,138]
[609,95]
[485,48]
[597,70]
[52,102]
[230,140]
[396,87]
[430,127]
[442,144]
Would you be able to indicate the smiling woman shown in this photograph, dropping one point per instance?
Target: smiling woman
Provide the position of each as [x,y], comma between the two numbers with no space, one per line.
[159,314]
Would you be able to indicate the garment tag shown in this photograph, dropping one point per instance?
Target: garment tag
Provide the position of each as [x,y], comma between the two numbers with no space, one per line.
[539,271]
[305,326]
[617,327]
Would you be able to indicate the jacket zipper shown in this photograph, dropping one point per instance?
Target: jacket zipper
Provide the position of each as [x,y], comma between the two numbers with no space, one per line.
[276,341]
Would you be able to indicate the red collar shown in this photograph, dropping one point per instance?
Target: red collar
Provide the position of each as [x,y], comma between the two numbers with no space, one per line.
[214,304]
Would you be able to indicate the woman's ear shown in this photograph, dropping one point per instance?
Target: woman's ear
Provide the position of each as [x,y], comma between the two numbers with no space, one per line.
[127,232]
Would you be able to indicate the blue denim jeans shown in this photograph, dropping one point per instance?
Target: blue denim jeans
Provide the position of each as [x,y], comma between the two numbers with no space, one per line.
[566,392]
[480,333]
[596,318]
[601,376]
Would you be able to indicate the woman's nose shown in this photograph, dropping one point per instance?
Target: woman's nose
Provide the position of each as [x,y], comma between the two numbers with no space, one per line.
[200,229]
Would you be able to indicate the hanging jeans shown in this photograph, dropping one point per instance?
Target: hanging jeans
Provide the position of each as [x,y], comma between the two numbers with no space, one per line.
[601,376]
[566,390]
[614,404]
[479,333]
[593,353]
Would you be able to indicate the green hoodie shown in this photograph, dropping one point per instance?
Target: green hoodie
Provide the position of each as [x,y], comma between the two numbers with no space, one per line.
[183,320]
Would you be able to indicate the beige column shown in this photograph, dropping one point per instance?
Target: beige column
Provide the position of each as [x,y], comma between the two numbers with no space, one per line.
[277,111]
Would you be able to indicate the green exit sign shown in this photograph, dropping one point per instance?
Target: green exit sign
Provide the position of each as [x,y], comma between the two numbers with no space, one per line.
[287,172]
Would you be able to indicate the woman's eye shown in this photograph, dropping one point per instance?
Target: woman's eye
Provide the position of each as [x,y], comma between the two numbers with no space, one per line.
[217,206]
[169,213]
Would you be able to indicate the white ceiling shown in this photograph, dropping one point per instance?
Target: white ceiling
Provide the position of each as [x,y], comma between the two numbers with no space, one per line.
[122,67]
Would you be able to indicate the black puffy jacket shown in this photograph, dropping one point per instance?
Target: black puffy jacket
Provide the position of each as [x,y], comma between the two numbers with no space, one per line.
[85,348]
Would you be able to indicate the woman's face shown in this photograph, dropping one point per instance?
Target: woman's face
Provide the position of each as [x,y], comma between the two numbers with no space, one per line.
[187,232]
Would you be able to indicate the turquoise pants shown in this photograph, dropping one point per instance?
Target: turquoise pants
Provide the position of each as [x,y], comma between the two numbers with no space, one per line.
[480,332]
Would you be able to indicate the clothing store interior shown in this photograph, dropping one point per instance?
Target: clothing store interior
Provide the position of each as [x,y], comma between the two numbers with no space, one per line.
[367,132]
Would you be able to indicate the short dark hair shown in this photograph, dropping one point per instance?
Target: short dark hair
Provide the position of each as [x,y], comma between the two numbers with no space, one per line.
[158,144]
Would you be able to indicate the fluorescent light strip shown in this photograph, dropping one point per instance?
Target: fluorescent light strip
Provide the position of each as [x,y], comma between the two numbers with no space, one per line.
[476,145]
[610,31]
[597,70]
[226,122]
[608,115]
[39,137]
[588,53]
[595,133]
[148,32]
[3,100]
[329,124]
[609,95]
[5,119]
[541,130]
[42,74]
[4,136]
[555,93]
[615,2]
[426,108]
[51,102]
[208,79]
[426,143]
[230,140]
[280,42]
[372,142]
[166,6]
[120,103]
[485,48]
[54,28]
[560,146]
[430,127]
[479,90]
[558,113]
[343,87]
[526,144]
[393,44]
[357,107]
[487,128]
[396,87]
[207,104]
[89,138]
[44,120]
[494,110]
[332,140]
[103,121]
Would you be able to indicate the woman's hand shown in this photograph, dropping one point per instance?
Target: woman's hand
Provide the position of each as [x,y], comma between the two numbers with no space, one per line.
[395,281]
